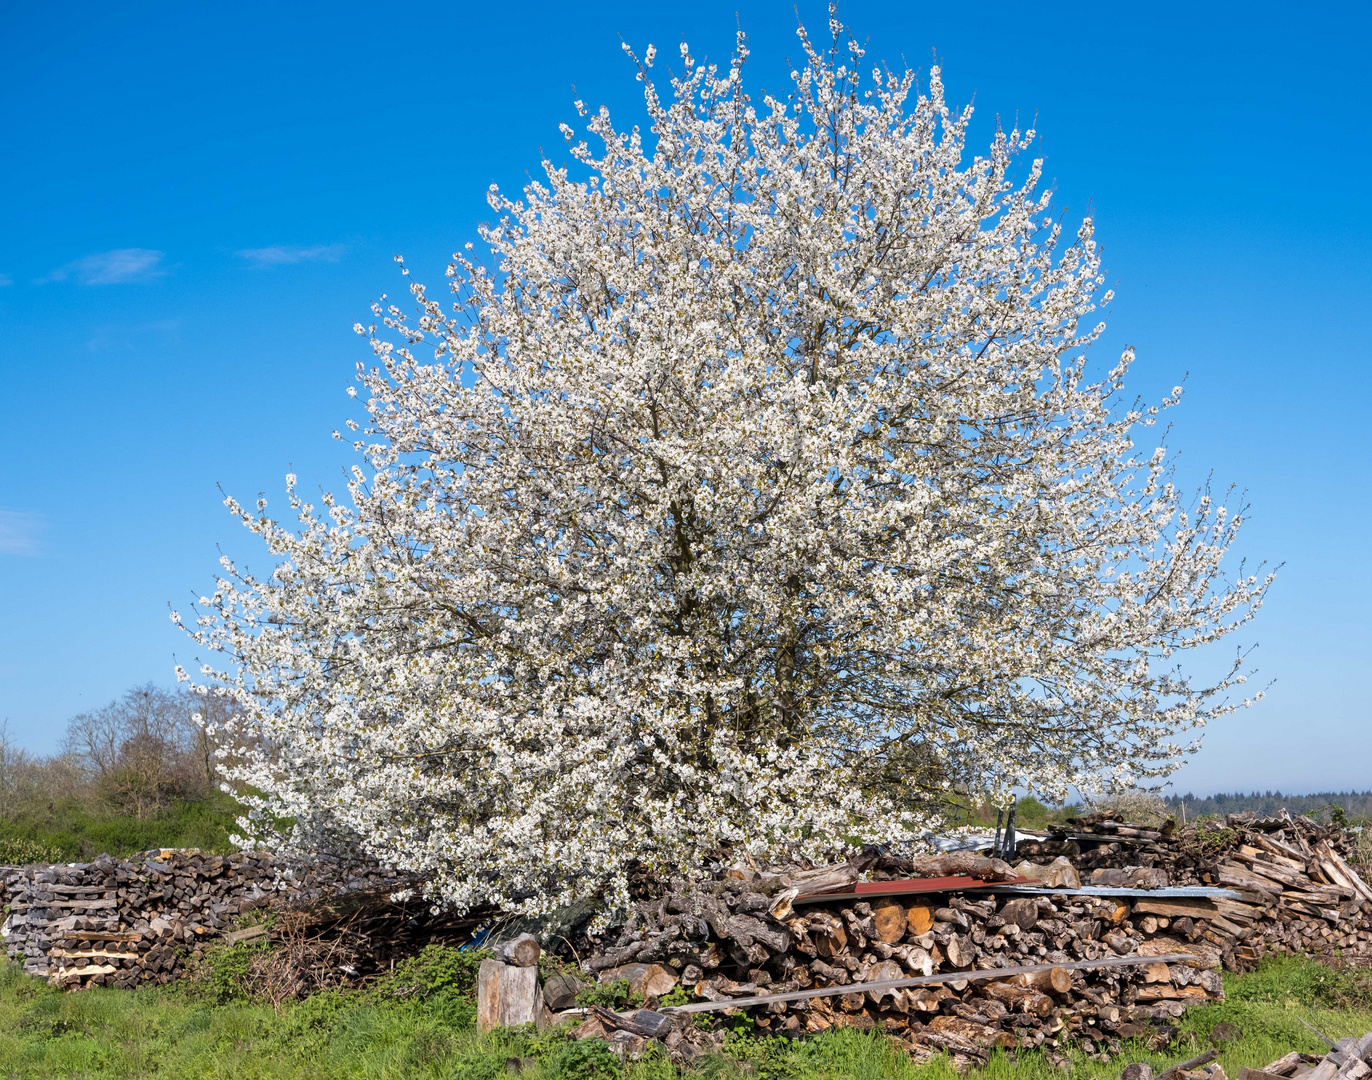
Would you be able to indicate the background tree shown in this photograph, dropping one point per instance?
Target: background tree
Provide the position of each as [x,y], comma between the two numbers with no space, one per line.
[143,750]
[15,762]
[756,495]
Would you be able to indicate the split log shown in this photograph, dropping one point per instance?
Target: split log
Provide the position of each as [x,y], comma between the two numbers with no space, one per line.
[1056,981]
[1190,1063]
[959,951]
[982,1035]
[650,980]
[890,921]
[829,937]
[964,864]
[1023,911]
[1283,1066]
[1020,999]
[523,951]
[560,992]
[886,971]
[1178,907]
[1058,874]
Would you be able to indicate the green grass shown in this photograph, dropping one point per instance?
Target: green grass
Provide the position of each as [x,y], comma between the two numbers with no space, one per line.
[73,829]
[419,1024]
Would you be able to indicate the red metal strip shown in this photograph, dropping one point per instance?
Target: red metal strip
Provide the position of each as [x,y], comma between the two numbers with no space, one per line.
[910,885]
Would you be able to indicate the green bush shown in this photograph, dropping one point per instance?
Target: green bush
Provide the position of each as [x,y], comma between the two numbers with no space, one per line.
[587,1059]
[72,829]
[610,995]
[16,851]
[438,971]
[223,973]
[1031,814]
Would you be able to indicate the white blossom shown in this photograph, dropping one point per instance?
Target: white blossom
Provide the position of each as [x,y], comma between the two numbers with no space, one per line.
[753,497]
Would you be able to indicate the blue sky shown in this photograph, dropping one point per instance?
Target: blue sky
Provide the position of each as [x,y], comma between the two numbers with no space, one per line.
[199,200]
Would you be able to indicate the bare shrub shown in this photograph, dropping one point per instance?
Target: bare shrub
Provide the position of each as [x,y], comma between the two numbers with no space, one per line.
[1137,805]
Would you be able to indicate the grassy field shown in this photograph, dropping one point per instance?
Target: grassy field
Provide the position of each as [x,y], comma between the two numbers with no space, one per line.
[418,1023]
[74,828]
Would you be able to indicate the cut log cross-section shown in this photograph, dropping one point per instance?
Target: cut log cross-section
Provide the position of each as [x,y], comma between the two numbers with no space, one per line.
[919,918]
[889,920]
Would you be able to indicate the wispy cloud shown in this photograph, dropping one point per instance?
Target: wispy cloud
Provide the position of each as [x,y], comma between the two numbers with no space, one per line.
[5,279]
[118,267]
[289,256]
[19,532]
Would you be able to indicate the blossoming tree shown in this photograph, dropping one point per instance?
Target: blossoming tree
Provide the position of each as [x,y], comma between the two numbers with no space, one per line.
[756,494]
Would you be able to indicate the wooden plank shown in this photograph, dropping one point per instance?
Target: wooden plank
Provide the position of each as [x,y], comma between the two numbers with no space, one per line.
[1278,873]
[128,937]
[1359,886]
[80,973]
[1236,874]
[1240,913]
[972,975]
[1296,866]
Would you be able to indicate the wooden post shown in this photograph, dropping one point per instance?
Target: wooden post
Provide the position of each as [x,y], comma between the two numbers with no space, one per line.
[508,996]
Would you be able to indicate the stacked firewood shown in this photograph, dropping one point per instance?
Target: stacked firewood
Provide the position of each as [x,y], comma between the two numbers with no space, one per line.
[1296,890]
[132,921]
[1099,842]
[123,922]
[751,935]
[759,938]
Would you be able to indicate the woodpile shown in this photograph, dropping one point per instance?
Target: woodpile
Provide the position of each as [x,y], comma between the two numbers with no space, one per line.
[1161,911]
[769,936]
[1090,893]
[125,922]
[348,940]
[1296,891]
[141,920]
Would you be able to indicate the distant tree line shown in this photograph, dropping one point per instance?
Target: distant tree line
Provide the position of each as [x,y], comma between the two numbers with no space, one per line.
[1356,804]
[134,773]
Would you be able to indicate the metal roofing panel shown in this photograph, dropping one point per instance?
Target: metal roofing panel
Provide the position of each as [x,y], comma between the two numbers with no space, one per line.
[909,886]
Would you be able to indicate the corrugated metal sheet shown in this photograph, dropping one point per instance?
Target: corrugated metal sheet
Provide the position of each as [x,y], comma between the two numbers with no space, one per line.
[1174,892]
[864,890]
